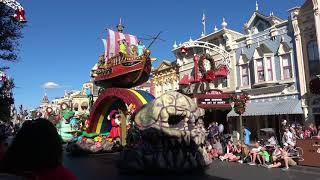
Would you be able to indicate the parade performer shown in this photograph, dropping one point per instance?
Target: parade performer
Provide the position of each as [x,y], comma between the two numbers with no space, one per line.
[90,96]
[123,46]
[115,123]
[140,48]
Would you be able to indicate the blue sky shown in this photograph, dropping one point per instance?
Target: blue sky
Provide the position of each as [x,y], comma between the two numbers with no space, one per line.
[62,39]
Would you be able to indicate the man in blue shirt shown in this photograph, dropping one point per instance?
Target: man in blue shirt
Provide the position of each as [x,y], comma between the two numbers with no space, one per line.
[246,134]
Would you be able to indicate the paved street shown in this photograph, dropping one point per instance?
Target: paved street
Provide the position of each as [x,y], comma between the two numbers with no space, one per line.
[98,167]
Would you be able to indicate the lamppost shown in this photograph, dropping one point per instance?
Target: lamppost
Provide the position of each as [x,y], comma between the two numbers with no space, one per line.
[239,101]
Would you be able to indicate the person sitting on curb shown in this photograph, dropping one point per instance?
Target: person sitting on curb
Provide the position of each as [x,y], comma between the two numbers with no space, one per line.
[254,153]
[280,159]
[265,156]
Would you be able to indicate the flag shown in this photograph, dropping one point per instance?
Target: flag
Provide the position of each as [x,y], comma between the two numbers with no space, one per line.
[104,41]
[204,23]
[203,19]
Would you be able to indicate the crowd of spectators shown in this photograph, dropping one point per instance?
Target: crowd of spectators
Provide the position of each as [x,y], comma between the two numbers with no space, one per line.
[269,154]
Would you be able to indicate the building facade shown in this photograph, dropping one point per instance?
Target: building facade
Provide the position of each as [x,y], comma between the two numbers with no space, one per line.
[306,26]
[266,68]
[165,78]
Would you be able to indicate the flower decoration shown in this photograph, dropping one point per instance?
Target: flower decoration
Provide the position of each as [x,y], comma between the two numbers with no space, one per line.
[98,139]
[84,140]
[109,139]
[240,103]
[184,50]
[98,144]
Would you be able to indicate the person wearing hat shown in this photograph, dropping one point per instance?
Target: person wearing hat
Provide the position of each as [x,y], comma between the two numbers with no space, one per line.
[115,123]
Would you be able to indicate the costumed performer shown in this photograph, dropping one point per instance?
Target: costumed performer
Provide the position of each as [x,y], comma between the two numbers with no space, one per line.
[115,123]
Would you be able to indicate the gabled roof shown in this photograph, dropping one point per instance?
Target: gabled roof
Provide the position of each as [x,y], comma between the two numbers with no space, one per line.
[165,64]
[258,15]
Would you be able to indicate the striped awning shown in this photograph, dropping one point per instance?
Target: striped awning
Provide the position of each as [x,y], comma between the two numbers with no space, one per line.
[274,107]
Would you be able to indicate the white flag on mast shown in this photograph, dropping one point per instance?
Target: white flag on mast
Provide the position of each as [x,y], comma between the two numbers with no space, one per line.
[104,41]
[204,23]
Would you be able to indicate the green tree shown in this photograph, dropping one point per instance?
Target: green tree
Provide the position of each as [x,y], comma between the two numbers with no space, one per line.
[10,35]
[6,100]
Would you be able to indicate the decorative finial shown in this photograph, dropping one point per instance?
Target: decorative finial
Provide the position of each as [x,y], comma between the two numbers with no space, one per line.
[190,40]
[215,29]
[202,34]
[224,23]
[180,44]
[175,44]
[120,26]
[257,6]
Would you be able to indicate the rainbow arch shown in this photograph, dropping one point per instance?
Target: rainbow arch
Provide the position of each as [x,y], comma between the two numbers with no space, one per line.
[107,100]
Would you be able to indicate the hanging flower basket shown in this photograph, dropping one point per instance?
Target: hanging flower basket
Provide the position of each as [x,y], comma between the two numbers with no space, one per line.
[239,103]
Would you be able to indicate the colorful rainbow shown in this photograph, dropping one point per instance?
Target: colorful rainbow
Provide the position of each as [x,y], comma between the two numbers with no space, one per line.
[109,100]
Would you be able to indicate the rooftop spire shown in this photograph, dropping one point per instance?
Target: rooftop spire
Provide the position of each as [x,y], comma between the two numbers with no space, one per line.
[215,29]
[175,44]
[120,26]
[257,6]
[224,23]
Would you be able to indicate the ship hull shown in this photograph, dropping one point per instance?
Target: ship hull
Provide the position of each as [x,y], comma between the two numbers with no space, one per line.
[125,75]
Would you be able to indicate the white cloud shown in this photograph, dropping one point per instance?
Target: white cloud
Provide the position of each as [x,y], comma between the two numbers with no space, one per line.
[50,85]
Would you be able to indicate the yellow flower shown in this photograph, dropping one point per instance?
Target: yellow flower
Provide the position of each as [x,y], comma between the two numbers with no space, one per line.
[98,139]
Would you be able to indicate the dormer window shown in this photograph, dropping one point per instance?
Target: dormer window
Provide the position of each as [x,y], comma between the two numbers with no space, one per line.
[264,65]
[244,75]
[261,27]
[284,53]
[260,70]
[244,70]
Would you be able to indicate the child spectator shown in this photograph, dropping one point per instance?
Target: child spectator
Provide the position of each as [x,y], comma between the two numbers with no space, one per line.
[254,153]
[265,156]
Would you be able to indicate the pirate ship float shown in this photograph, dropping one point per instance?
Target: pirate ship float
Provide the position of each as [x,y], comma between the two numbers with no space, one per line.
[127,66]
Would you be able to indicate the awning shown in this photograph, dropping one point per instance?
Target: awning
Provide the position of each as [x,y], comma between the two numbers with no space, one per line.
[274,107]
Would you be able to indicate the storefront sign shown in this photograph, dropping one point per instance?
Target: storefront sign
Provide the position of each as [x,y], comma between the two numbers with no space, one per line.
[213,100]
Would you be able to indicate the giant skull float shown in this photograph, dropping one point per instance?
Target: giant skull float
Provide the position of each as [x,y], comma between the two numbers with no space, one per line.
[172,134]
[176,115]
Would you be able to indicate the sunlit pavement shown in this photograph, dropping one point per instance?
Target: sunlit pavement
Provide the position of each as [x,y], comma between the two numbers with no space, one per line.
[96,167]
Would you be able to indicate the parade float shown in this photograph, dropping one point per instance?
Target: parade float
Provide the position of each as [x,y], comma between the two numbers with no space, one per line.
[166,133]
[126,63]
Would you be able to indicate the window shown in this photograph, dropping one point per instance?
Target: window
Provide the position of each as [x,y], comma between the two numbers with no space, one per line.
[244,75]
[313,57]
[223,81]
[260,70]
[286,66]
[269,69]
[261,27]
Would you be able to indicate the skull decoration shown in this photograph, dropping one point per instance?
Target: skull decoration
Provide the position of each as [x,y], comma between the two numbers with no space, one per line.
[172,135]
[174,114]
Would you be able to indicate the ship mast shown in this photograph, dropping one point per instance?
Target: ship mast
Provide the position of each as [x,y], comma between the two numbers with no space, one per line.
[120,27]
